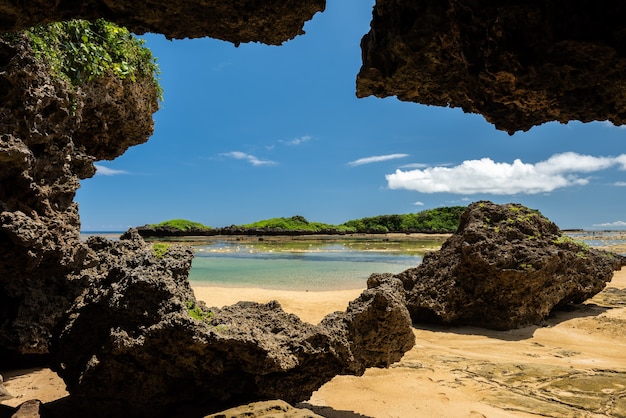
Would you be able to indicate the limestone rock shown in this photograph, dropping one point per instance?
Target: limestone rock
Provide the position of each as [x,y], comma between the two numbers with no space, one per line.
[50,135]
[4,393]
[29,409]
[519,64]
[266,409]
[269,21]
[507,266]
[138,341]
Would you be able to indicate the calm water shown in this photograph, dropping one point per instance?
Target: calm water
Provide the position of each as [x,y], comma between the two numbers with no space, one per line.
[305,265]
[295,265]
[281,266]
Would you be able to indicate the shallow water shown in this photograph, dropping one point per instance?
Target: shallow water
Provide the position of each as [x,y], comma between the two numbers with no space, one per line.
[306,266]
[312,265]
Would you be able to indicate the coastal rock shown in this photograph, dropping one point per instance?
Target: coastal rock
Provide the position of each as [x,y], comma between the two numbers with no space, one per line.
[506,267]
[268,409]
[147,231]
[4,393]
[50,134]
[29,409]
[270,21]
[137,341]
[519,64]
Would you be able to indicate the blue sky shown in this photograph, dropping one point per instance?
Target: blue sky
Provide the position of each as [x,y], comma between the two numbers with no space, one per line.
[258,131]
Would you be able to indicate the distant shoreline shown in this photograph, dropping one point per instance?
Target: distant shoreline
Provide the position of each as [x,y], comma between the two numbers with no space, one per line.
[608,240]
[418,236]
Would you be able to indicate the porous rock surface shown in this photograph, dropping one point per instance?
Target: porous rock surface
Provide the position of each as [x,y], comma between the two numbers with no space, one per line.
[269,21]
[50,135]
[131,346]
[507,266]
[519,64]
[267,409]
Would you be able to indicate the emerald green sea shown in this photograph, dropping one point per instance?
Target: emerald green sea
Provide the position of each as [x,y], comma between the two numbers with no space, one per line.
[299,265]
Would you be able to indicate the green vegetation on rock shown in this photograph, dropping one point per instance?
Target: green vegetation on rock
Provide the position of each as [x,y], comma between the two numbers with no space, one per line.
[442,220]
[295,223]
[181,224]
[81,51]
[564,240]
[197,313]
[160,249]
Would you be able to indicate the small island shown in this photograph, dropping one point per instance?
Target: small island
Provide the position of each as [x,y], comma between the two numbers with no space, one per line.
[444,220]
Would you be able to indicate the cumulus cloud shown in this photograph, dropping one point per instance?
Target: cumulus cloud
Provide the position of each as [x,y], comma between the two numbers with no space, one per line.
[616,224]
[238,155]
[419,203]
[620,184]
[376,159]
[490,177]
[106,171]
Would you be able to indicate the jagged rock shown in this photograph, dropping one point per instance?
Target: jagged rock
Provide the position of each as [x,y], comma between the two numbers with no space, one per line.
[268,409]
[519,64]
[50,135]
[269,21]
[137,340]
[506,267]
[4,393]
[29,409]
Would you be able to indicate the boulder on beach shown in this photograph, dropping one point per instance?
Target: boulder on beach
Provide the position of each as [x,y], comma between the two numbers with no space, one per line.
[138,342]
[507,266]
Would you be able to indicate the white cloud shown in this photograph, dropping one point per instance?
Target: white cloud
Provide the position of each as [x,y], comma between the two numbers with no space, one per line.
[106,171]
[621,159]
[616,224]
[419,203]
[487,176]
[415,165]
[569,162]
[297,141]
[376,159]
[620,184]
[238,155]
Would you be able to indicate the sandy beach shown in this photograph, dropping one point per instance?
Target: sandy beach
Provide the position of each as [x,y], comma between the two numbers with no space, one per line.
[573,365]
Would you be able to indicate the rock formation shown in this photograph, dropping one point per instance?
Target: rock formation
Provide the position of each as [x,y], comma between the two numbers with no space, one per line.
[50,134]
[4,393]
[518,64]
[506,267]
[269,409]
[138,342]
[270,21]
[127,333]
[134,337]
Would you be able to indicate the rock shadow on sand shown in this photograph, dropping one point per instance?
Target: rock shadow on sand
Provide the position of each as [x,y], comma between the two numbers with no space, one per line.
[519,334]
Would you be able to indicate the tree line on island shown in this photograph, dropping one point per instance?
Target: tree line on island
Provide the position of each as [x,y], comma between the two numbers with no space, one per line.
[439,220]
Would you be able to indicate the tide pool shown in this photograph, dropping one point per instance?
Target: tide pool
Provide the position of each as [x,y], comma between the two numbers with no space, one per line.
[306,266]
